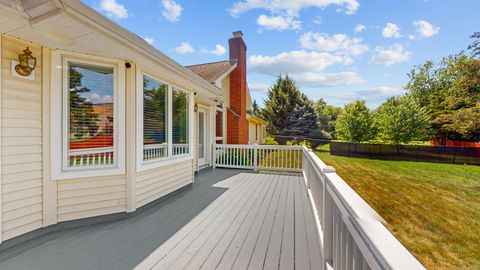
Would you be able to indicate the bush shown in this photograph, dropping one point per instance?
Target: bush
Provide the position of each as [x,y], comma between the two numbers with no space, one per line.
[300,142]
[270,141]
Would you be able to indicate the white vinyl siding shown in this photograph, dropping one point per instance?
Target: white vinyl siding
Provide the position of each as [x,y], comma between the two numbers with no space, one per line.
[21,105]
[155,183]
[90,197]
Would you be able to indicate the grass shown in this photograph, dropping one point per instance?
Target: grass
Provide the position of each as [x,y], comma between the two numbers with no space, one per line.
[433,209]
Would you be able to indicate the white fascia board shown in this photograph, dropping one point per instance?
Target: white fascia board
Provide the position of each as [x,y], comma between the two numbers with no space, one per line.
[218,82]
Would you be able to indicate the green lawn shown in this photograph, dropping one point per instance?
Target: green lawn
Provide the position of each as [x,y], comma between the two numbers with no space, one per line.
[433,209]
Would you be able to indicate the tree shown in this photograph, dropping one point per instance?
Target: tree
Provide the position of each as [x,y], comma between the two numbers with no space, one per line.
[401,120]
[327,115]
[355,123]
[448,90]
[461,107]
[474,48]
[282,98]
[303,120]
[83,119]
[255,108]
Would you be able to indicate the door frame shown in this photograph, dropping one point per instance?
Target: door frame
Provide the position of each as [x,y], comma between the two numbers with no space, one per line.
[206,160]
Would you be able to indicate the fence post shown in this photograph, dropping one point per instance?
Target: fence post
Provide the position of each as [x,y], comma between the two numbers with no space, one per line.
[255,161]
[214,153]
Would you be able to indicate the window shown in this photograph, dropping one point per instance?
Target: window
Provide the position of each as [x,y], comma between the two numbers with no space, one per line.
[164,125]
[180,122]
[87,135]
[155,119]
[264,133]
[90,115]
[256,132]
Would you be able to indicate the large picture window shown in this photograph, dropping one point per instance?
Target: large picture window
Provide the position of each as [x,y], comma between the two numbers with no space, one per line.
[155,119]
[87,116]
[164,122]
[90,107]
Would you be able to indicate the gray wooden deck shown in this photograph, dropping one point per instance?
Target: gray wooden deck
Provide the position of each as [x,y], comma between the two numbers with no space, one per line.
[263,221]
[227,219]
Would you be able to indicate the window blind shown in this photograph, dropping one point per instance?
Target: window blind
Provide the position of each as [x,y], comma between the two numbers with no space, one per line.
[90,112]
[155,118]
[180,122]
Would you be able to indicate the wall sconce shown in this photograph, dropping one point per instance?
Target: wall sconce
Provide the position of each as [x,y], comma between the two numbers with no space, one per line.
[26,63]
[195,108]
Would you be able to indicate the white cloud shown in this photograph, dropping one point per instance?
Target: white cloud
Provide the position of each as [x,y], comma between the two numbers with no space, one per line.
[219,50]
[391,30]
[149,40]
[426,29]
[291,7]
[336,43]
[96,98]
[379,92]
[113,9]
[318,79]
[389,56]
[295,62]
[171,10]
[359,28]
[373,96]
[184,48]
[258,87]
[278,22]
[411,37]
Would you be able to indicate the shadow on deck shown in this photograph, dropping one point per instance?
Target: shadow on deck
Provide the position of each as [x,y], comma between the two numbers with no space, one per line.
[120,244]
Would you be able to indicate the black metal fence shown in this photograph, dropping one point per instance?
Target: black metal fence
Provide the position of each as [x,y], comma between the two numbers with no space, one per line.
[444,154]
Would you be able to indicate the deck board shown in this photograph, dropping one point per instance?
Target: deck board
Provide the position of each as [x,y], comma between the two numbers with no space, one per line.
[227,219]
[264,221]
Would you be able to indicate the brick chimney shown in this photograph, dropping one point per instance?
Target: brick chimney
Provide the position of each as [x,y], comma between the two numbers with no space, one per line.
[237,123]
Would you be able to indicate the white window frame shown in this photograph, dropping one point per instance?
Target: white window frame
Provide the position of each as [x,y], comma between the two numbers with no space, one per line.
[59,117]
[169,159]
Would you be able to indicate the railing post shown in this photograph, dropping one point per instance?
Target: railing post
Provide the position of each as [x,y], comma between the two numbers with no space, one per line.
[214,153]
[255,159]
[327,218]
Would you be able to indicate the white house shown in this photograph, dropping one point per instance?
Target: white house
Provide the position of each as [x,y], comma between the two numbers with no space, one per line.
[104,124]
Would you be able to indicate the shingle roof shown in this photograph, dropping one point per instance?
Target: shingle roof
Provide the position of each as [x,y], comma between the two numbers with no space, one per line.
[211,71]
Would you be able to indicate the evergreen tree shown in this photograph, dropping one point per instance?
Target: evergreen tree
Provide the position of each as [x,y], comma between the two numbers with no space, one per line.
[282,98]
[83,119]
[303,120]
[255,108]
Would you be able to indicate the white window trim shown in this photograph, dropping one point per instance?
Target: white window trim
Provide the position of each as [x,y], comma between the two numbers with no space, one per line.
[169,159]
[59,117]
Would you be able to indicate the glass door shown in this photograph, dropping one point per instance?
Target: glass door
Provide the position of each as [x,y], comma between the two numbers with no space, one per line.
[202,137]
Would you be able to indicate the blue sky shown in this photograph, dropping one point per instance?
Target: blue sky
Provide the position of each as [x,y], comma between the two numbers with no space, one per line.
[336,49]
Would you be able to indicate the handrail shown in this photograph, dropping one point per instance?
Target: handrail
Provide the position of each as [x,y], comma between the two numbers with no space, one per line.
[258,157]
[352,233]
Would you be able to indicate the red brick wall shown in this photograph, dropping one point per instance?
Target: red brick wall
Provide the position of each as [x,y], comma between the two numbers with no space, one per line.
[237,124]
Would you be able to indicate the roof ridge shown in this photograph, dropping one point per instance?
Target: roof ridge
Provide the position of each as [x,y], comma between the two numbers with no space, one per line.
[209,63]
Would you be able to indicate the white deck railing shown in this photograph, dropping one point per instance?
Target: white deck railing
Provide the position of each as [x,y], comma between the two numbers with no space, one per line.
[159,150]
[352,234]
[92,156]
[258,157]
